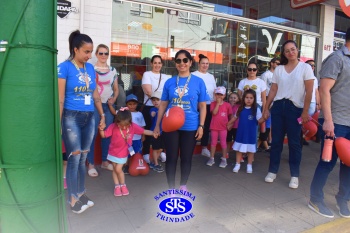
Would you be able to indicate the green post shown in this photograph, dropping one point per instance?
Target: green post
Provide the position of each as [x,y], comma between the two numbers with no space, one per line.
[31,186]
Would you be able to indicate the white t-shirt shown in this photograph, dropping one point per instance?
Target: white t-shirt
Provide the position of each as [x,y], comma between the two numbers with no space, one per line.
[291,85]
[313,99]
[138,119]
[210,83]
[151,78]
[267,77]
[258,85]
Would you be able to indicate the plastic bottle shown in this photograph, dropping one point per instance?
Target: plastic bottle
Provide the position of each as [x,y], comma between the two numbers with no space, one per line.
[327,149]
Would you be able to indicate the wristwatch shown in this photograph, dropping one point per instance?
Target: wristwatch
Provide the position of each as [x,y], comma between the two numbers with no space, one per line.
[202,126]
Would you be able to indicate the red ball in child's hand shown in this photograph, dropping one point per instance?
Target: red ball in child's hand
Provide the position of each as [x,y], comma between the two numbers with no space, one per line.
[138,165]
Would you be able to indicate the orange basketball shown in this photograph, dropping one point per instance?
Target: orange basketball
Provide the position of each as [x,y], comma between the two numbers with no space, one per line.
[309,129]
[173,119]
[315,116]
[138,165]
[342,145]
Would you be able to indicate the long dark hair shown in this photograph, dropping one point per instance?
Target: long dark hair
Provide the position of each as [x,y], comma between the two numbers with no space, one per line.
[124,115]
[77,40]
[156,56]
[201,56]
[284,60]
[242,106]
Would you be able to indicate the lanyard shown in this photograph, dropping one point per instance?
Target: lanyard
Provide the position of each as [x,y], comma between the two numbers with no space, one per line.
[125,137]
[181,94]
[85,76]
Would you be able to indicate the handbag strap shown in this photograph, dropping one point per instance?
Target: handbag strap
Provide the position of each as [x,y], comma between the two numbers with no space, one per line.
[160,78]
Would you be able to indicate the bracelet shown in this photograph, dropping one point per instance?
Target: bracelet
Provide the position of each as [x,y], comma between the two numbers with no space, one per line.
[202,126]
[102,114]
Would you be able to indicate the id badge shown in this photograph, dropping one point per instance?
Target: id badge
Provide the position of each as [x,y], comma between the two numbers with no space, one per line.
[87,100]
[131,151]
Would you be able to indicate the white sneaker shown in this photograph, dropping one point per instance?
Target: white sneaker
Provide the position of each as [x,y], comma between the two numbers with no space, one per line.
[223,163]
[146,158]
[205,152]
[294,182]
[270,177]
[163,157]
[249,168]
[210,162]
[236,168]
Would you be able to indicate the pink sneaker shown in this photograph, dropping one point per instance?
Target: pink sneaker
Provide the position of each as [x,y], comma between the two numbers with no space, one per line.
[183,188]
[125,190]
[64,183]
[117,191]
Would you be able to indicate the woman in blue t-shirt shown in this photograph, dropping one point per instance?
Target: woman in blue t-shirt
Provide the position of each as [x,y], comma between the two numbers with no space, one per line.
[188,91]
[77,96]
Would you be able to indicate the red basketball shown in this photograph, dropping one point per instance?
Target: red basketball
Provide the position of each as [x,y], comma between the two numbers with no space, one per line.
[173,119]
[309,129]
[315,116]
[138,165]
[342,145]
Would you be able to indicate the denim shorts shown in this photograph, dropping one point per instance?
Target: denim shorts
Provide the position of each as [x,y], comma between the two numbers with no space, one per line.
[117,160]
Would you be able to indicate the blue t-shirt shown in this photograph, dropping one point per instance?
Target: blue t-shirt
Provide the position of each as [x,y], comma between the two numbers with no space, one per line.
[76,87]
[154,119]
[195,92]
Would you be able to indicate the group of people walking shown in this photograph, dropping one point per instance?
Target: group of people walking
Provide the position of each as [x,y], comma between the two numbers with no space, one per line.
[280,96]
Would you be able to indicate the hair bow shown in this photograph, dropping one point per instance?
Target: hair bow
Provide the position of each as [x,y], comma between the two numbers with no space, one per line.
[123,109]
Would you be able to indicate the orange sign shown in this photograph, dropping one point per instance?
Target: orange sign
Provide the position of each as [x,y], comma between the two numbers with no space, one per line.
[345,6]
[127,50]
[297,4]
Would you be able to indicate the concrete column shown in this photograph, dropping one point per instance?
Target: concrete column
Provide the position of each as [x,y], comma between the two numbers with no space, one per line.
[327,22]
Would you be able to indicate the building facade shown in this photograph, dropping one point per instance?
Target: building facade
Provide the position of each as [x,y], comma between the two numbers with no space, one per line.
[229,33]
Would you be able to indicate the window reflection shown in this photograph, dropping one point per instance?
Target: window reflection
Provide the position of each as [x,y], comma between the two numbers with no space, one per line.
[140,31]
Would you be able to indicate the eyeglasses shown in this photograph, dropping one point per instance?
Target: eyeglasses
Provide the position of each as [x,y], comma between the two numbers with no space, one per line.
[313,65]
[178,61]
[100,53]
[252,69]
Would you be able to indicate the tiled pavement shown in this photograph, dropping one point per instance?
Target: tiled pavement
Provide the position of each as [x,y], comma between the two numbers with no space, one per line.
[225,201]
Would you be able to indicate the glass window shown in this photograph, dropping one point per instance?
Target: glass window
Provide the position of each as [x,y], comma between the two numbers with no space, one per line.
[342,23]
[229,45]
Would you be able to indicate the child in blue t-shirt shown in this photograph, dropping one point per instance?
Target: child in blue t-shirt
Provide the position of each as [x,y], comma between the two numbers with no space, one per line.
[157,143]
[137,118]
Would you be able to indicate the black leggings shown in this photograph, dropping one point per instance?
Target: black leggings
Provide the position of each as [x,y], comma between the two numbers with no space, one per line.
[148,120]
[205,137]
[185,141]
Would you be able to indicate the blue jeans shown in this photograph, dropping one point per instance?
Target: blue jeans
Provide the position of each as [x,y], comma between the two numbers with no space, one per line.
[284,116]
[324,168]
[77,131]
[109,118]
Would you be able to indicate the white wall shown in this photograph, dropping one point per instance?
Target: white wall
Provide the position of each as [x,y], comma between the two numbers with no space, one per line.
[94,19]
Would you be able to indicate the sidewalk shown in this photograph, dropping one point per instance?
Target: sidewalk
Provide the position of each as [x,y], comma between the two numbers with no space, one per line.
[225,201]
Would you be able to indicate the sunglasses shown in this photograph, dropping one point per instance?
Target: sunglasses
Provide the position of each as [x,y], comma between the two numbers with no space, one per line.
[178,61]
[252,69]
[277,63]
[106,54]
[312,65]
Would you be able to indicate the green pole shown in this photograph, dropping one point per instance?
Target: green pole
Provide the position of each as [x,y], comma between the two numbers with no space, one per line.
[31,186]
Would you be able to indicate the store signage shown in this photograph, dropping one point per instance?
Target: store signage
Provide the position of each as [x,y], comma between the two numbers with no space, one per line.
[345,6]
[327,47]
[242,43]
[64,8]
[272,44]
[297,4]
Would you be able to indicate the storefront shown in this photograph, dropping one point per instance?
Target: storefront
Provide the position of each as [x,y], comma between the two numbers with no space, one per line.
[229,33]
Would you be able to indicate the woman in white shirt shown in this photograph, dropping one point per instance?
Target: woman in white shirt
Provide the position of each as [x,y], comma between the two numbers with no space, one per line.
[255,83]
[210,84]
[151,81]
[291,90]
